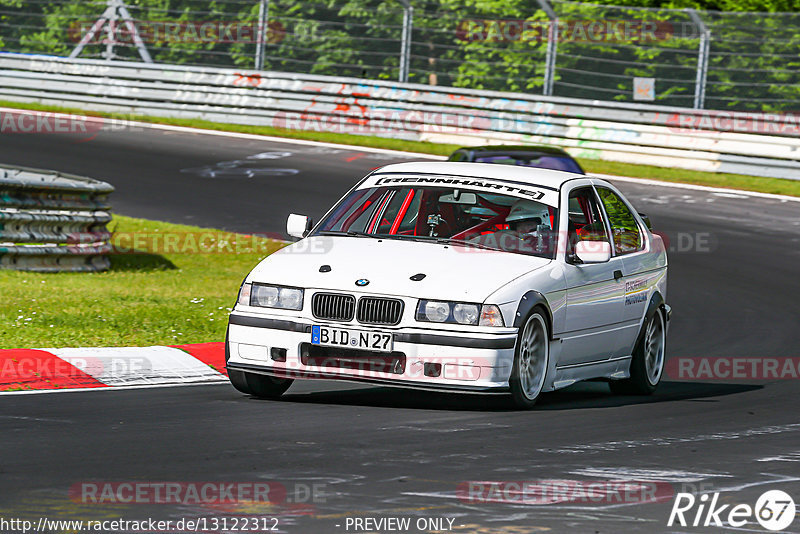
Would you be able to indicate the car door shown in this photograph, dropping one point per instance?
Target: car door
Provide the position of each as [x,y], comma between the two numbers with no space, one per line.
[594,291]
[640,273]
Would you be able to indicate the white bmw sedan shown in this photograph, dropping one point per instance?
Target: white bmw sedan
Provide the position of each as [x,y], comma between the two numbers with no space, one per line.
[461,277]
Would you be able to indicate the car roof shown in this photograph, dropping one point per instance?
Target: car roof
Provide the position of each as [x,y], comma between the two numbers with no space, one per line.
[514,149]
[529,175]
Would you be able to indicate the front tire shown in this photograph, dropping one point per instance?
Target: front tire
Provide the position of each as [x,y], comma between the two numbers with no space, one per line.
[647,364]
[239,381]
[267,387]
[530,361]
[237,378]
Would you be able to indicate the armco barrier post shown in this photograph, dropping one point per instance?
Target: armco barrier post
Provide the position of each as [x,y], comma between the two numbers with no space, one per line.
[116,11]
[552,48]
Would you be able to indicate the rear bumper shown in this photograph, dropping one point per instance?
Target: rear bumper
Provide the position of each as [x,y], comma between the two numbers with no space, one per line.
[477,362]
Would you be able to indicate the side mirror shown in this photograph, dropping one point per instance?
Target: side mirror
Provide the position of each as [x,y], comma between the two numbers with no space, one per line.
[646,221]
[593,251]
[298,225]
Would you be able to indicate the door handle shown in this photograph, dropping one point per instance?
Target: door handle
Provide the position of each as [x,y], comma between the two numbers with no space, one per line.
[617,274]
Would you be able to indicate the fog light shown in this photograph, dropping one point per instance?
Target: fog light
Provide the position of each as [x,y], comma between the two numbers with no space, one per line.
[278,355]
[432,369]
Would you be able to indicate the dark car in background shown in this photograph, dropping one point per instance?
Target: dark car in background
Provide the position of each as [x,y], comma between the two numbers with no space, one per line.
[541,156]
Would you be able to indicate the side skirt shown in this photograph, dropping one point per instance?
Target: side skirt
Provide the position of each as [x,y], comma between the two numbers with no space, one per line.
[615,369]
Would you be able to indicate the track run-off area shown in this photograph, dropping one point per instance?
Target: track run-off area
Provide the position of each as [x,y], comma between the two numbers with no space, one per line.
[333,453]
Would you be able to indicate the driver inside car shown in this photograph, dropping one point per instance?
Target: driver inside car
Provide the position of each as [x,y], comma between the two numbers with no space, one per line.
[528,230]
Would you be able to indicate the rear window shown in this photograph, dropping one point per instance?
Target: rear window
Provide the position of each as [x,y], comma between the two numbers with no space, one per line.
[556,163]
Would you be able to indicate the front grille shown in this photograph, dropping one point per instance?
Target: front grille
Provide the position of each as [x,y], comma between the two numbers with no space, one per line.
[354,359]
[333,307]
[373,310]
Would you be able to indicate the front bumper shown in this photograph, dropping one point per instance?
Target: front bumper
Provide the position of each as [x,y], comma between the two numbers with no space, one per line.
[423,358]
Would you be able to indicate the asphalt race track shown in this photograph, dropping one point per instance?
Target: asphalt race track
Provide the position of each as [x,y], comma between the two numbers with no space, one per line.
[367,452]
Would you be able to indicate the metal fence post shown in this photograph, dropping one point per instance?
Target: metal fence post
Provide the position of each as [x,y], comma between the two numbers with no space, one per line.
[405,43]
[109,18]
[703,51]
[261,38]
[552,48]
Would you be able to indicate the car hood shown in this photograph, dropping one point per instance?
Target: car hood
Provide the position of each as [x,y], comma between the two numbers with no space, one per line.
[452,272]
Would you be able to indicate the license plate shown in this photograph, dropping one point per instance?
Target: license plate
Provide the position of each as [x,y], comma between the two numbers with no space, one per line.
[353,339]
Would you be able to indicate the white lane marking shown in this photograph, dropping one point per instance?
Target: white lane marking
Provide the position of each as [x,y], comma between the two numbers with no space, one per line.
[133,366]
[115,388]
[791,457]
[730,195]
[287,140]
[482,426]
[695,187]
[663,475]
[609,446]
[22,418]
[238,135]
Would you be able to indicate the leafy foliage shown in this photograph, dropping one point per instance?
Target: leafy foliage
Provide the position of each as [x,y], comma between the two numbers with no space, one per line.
[482,44]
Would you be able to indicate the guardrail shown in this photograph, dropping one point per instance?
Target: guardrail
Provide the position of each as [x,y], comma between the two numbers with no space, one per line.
[51,221]
[733,142]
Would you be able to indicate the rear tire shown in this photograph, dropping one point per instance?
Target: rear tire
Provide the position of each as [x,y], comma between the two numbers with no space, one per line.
[647,364]
[267,387]
[530,361]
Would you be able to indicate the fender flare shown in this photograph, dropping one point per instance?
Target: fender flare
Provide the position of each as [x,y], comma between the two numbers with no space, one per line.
[528,301]
[656,302]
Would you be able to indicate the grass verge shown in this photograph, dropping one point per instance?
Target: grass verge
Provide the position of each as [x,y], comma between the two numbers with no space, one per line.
[163,294]
[734,181]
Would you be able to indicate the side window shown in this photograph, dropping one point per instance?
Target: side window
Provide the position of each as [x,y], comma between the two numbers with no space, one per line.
[627,235]
[458,155]
[585,217]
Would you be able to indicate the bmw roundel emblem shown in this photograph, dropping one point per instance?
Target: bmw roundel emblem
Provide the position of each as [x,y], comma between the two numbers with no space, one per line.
[362,282]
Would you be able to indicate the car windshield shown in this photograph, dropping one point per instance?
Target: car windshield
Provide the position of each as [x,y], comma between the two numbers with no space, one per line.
[556,163]
[443,214]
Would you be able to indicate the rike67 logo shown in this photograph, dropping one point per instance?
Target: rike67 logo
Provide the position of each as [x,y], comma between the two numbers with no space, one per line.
[774,510]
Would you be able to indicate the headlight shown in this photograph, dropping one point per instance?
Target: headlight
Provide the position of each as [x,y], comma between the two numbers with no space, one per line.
[466,313]
[434,311]
[267,296]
